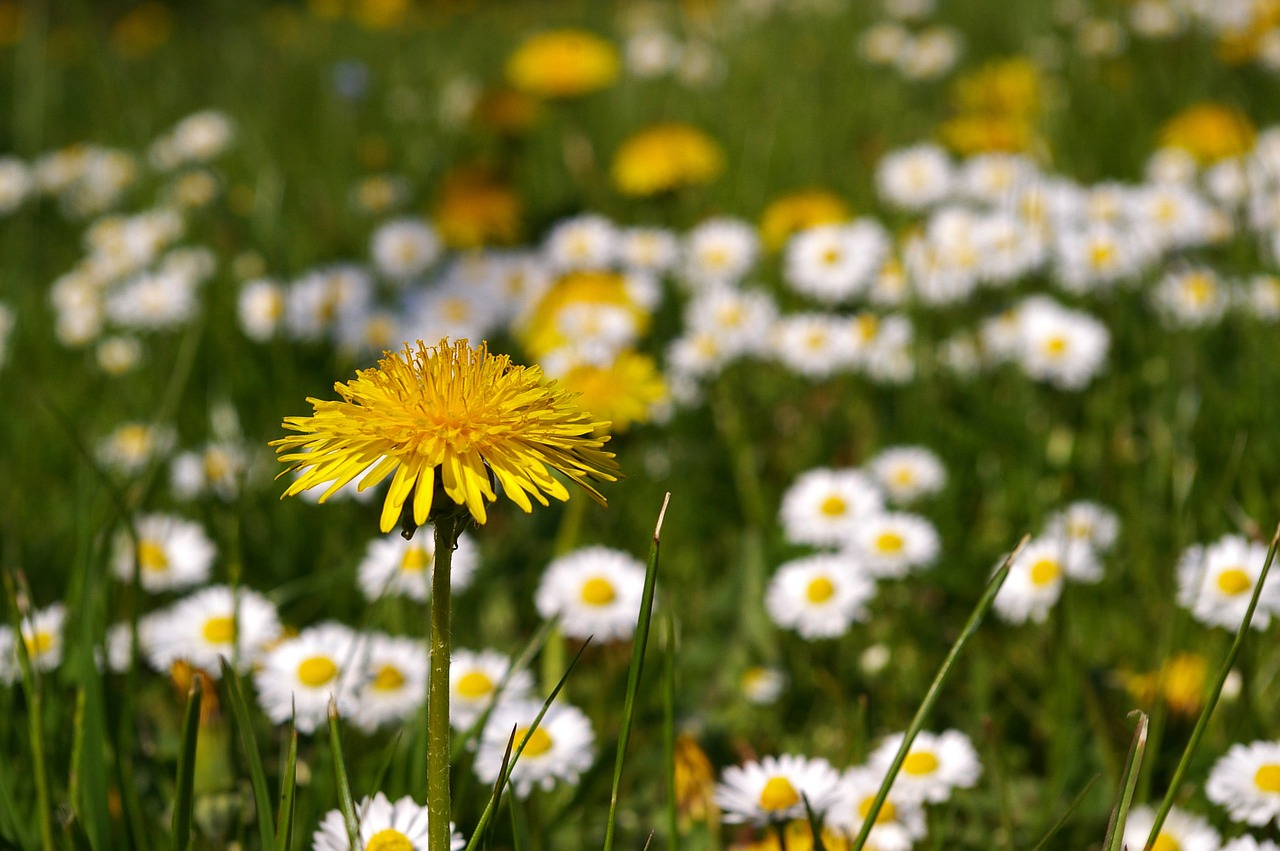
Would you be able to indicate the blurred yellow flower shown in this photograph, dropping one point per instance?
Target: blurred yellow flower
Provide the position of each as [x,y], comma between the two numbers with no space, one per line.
[543,332]
[476,208]
[623,392]
[563,63]
[380,14]
[799,837]
[1010,87]
[506,111]
[974,134]
[142,29]
[1241,43]
[451,418]
[666,157]
[695,781]
[1180,682]
[1209,132]
[800,210]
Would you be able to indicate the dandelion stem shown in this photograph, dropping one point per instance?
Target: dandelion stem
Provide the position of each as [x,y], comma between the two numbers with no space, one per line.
[438,804]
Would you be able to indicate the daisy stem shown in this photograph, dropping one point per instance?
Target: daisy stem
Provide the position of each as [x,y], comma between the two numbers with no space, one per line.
[438,804]
[1203,721]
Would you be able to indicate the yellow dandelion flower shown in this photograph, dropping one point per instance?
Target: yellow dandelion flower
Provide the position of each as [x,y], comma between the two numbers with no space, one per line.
[695,781]
[1007,87]
[476,208]
[798,211]
[506,111]
[1209,132]
[1180,682]
[623,392]
[967,135]
[563,63]
[665,157]
[142,29]
[543,332]
[448,417]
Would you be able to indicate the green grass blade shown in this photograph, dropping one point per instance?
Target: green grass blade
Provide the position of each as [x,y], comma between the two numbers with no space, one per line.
[1128,782]
[388,756]
[15,588]
[184,794]
[669,730]
[288,794]
[638,646]
[1203,721]
[815,827]
[345,802]
[491,807]
[935,690]
[241,720]
[1066,815]
[496,799]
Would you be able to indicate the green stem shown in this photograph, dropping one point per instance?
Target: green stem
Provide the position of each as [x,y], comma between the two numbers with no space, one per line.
[438,804]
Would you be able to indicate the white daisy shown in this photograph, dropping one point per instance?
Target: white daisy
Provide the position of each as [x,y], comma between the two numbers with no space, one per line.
[719,252]
[42,634]
[1181,831]
[819,596]
[914,178]
[199,137]
[1064,347]
[1085,521]
[595,591]
[395,567]
[259,308]
[1034,583]
[1246,781]
[173,553]
[762,685]
[937,764]
[738,320]
[1194,297]
[892,543]
[404,248]
[815,345]
[116,355]
[775,788]
[305,671]
[908,473]
[899,824]
[931,54]
[993,178]
[474,678]
[212,623]
[653,250]
[216,469]
[835,262]
[822,506]
[6,327]
[1262,297]
[1249,843]
[132,446]
[394,680]
[587,241]
[384,826]
[119,641]
[154,301]
[557,751]
[15,184]
[1095,257]
[1216,583]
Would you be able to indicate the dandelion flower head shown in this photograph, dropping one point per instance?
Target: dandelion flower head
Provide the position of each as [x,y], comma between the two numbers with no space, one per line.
[451,415]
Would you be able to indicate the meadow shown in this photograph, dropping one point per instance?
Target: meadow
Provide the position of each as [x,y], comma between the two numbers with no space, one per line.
[948,330]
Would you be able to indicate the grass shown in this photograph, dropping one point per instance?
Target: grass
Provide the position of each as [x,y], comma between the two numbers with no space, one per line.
[1175,436]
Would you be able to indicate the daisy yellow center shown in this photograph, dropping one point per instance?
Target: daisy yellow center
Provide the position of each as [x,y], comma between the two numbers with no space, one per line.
[218,630]
[1044,572]
[414,560]
[217,465]
[867,325]
[388,678]
[152,556]
[538,744]
[1267,778]
[831,256]
[715,258]
[778,794]
[820,590]
[474,684]
[1080,529]
[388,840]
[731,316]
[598,591]
[903,476]
[1165,842]
[816,340]
[1200,290]
[38,644]
[887,811]
[1234,581]
[1055,346]
[920,763]
[1101,256]
[889,542]
[833,506]
[316,671]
